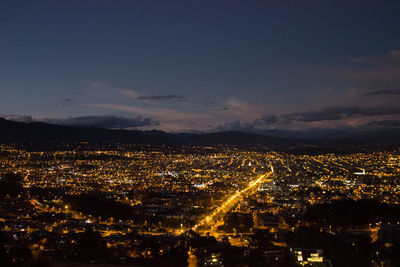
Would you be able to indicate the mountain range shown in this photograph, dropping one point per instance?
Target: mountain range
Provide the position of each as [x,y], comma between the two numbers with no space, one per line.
[43,134]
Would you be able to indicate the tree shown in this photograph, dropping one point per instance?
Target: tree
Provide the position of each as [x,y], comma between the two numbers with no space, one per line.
[90,246]
[11,184]
[261,239]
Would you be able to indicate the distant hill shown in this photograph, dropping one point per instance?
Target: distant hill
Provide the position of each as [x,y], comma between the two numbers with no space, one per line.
[43,135]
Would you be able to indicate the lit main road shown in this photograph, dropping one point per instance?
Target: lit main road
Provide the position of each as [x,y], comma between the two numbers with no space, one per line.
[210,220]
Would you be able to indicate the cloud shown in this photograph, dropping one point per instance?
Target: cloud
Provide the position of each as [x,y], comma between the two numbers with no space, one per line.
[97,84]
[329,113]
[330,117]
[243,110]
[66,102]
[163,97]
[268,119]
[253,126]
[380,110]
[238,105]
[135,95]
[235,126]
[338,113]
[170,114]
[220,109]
[114,122]
[384,92]
[392,58]
[130,94]
[384,124]
[19,118]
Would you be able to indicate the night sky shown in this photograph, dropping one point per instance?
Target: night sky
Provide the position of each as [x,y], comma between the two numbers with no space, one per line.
[202,65]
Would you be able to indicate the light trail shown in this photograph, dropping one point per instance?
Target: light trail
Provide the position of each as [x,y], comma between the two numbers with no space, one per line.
[231,202]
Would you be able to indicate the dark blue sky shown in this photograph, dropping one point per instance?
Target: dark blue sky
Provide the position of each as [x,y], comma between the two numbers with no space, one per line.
[201,65]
